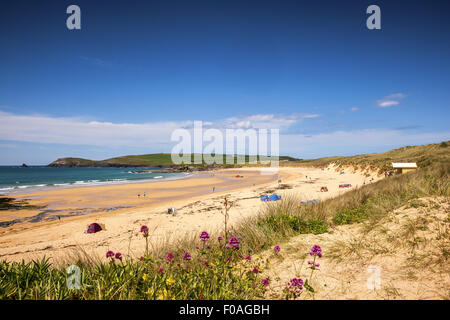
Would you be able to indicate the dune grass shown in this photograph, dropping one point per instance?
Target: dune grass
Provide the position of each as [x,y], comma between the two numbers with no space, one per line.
[217,269]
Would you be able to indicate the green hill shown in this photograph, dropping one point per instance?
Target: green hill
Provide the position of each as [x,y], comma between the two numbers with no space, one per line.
[145,160]
[423,155]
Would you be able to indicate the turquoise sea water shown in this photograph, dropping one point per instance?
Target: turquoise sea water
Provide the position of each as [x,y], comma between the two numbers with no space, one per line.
[16,179]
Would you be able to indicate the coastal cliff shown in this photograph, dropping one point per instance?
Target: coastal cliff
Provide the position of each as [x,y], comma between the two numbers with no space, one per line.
[154,160]
[75,162]
[161,161]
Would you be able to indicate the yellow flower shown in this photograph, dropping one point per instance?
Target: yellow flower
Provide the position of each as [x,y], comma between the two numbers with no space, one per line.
[150,292]
[145,277]
[170,281]
[164,295]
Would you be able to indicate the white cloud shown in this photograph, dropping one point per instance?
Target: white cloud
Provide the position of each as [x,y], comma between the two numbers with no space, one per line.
[79,131]
[267,121]
[145,136]
[390,100]
[354,109]
[389,103]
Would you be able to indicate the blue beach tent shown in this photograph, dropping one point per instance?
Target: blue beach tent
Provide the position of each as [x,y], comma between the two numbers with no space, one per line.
[275,197]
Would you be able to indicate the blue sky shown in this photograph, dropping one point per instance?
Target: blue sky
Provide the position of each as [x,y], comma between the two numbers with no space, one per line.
[139,69]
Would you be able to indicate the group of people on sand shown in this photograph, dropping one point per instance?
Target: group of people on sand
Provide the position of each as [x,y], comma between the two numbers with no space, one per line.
[139,195]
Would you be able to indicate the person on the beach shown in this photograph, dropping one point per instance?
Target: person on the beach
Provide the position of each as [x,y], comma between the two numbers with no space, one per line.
[214,188]
[139,195]
[144,194]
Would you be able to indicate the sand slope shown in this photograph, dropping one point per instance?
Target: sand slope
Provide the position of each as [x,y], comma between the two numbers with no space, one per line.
[410,246]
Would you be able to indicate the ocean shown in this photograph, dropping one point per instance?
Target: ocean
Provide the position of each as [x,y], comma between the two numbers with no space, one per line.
[15,179]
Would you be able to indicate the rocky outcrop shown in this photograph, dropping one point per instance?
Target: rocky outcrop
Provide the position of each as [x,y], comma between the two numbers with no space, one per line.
[73,162]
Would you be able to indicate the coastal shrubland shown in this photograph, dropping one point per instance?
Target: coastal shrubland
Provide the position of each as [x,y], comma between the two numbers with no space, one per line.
[226,264]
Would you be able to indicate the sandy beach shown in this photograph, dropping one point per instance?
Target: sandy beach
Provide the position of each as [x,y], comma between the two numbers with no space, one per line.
[40,232]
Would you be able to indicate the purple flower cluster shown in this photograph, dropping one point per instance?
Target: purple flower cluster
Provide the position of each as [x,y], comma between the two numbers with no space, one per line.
[276,249]
[169,257]
[316,250]
[204,236]
[314,264]
[110,254]
[255,271]
[265,282]
[234,242]
[144,230]
[295,284]
[187,256]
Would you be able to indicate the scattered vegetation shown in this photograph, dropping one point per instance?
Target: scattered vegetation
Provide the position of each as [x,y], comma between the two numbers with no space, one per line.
[212,272]
[347,216]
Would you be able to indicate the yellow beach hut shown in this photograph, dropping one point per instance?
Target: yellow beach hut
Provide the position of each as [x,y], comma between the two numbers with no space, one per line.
[403,167]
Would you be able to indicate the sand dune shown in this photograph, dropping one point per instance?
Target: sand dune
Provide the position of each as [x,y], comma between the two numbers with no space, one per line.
[406,247]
